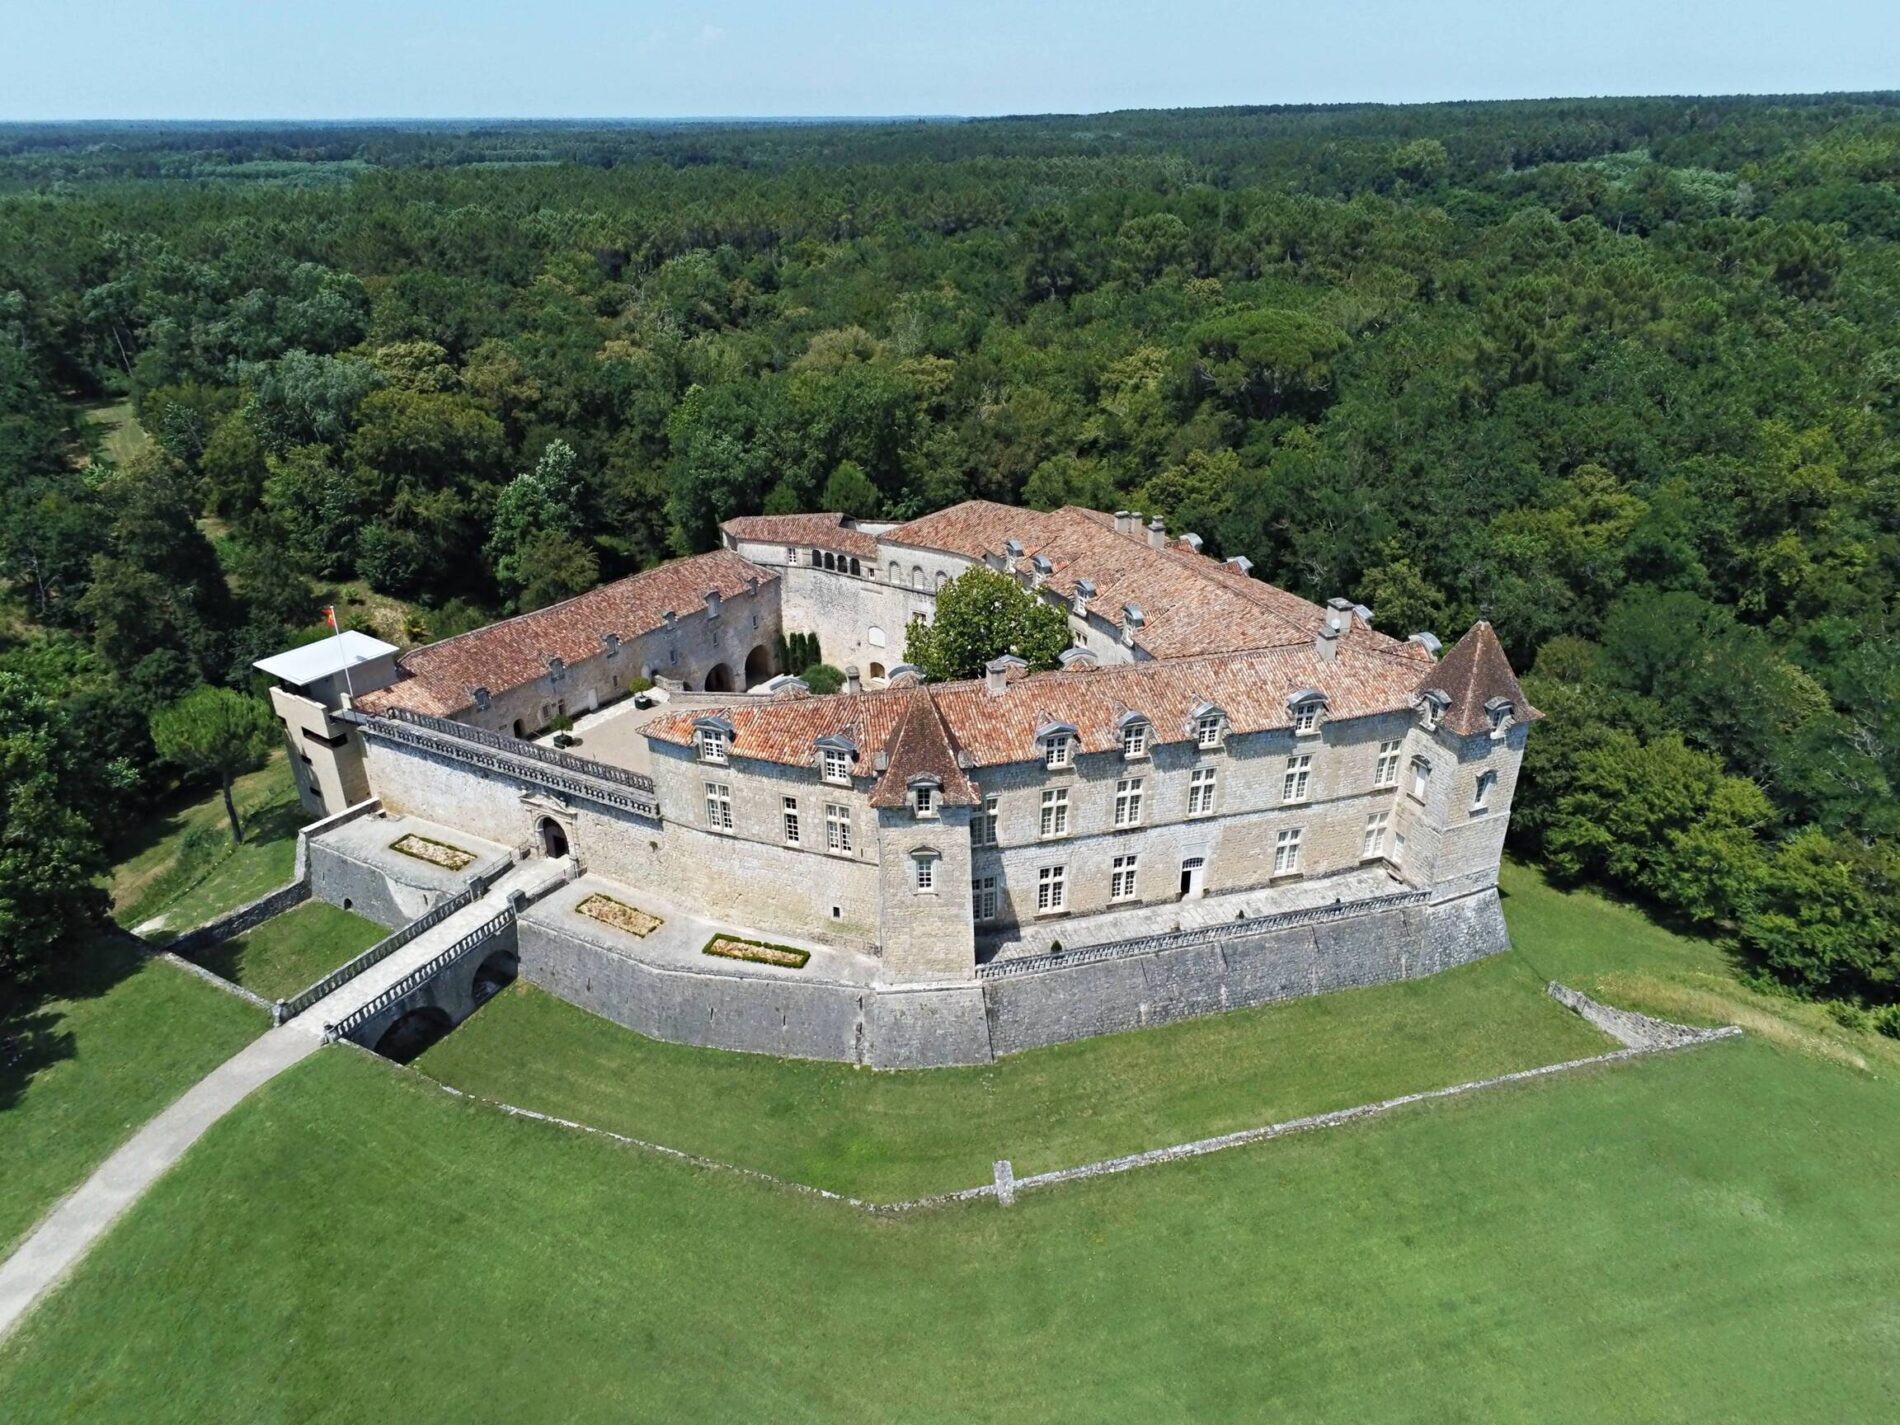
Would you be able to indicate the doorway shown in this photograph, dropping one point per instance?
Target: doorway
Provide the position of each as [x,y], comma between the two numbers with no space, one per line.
[553,838]
[1193,872]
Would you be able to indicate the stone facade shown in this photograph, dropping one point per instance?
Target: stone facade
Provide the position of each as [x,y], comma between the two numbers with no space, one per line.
[921,827]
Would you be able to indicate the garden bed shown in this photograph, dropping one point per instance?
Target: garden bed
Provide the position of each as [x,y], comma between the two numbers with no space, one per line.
[757,952]
[618,915]
[436,853]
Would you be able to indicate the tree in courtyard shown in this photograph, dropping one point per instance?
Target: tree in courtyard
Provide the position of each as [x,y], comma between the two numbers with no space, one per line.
[982,615]
[215,732]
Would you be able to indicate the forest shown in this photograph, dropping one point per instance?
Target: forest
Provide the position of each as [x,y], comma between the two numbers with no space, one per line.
[1621,376]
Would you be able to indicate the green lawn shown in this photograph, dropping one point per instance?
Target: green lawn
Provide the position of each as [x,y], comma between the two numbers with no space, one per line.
[182,865]
[1707,1236]
[897,1135]
[119,1045]
[120,435]
[292,950]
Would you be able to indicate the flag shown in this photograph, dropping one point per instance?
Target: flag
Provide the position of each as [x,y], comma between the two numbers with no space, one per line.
[329,617]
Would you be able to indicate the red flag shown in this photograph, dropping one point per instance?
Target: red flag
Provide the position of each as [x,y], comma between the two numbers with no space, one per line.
[329,617]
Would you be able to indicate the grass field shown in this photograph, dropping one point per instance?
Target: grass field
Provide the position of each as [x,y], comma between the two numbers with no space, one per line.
[117,428]
[291,950]
[183,866]
[888,1136]
[1704,1236]
[123,1041]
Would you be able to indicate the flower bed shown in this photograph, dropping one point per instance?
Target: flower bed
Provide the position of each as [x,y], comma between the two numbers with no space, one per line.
[436,853]
[609,911]
[758,952]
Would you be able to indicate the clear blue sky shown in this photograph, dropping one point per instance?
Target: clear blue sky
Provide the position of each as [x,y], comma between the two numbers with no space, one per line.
[69,59]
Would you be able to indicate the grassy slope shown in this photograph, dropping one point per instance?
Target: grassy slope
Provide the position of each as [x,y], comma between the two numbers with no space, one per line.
[292,950]
[182,864]
[120,435]
[1702,1237]
[98,1064]
[897,1135]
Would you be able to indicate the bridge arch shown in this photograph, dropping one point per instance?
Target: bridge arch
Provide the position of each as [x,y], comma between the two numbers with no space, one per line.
[496,972]
[414,1032]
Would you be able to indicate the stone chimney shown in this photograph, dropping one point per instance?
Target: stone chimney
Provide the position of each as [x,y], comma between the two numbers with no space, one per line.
[712,603]
[1125,522]
[1157,533]
[852,682]
[1132,619]
[1012,551]
[1338,620]
[996,673]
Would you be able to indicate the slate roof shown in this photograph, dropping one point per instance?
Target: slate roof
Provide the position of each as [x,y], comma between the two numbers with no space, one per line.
[441,678]
[1190,602]
[1474,673]
[821,531]
[992,729]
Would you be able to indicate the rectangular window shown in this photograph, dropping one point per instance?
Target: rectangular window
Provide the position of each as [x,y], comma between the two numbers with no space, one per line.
[1128,802]
[1135,740]
[1055,812]
[1207,731]
[1421,777]
[1375,835]
[719,806]
[1481,794]
[1306,717]
[1286,852]
[983,898]
[924,873]
[1057,751]
[1385,772]
[837,828]
[712,745]
[1293,787]
[983,824]
[1121,879]
[924,800]
[1052,889]
[1398,849]
[837,765]
[791,821]
[1201,792]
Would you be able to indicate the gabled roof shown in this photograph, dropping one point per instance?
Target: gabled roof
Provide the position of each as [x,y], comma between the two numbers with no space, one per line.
[441,678]
[922,746]
[820,531]
[1474,673]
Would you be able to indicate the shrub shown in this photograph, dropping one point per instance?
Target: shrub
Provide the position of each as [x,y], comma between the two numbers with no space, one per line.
[822,678]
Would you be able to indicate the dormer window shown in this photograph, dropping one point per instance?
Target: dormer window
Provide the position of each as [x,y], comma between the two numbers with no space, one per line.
[1058,751]
[712,744]
[1208,725]
[1307,707]
[1431,706]
[1501,714]
[1135,740]
[836,765]
[925,795]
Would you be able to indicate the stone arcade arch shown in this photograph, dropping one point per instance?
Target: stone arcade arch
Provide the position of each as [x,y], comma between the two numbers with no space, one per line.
[718,679]
[493,975]
[758,666]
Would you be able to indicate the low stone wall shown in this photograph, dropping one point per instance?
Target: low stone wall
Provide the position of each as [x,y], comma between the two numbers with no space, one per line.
[245,917]
[974,1022]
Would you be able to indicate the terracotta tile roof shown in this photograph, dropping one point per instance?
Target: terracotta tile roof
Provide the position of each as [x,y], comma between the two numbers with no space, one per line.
[922,747]
[1190,602]
[822,531]
[1473,674]
[1251,688]
[441,677]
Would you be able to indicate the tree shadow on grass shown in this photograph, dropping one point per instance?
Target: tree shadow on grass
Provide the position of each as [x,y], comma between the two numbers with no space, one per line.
[33,1036]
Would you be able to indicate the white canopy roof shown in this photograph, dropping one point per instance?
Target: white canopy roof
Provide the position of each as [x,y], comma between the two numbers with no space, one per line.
[305,665]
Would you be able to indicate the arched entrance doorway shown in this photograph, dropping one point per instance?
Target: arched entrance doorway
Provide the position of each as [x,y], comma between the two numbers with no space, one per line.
[413,1033]
[553,837]
[719,679]
[758,666]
